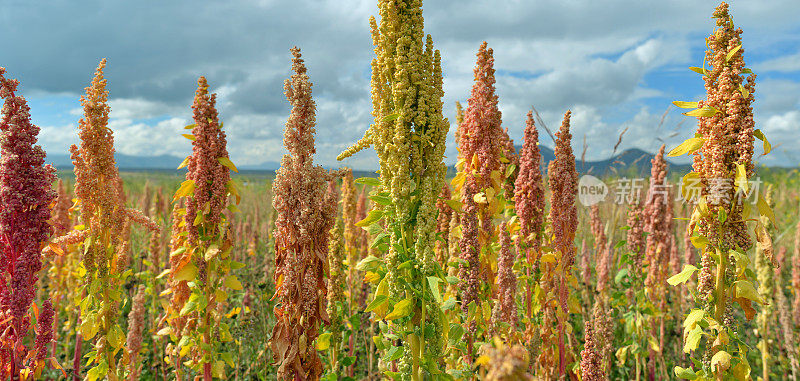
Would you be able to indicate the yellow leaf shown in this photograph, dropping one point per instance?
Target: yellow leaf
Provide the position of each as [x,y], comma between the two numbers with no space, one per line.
[482,360]
[227,163]
[232,283]
[722,359]
[233,190]
[741,178]
[706,111]
[323,341]
[186,188]
[480,198]
[189,136]
[56,248]
[455,205]
[186,273]
[164,331]
[185,162]
[401,309]
[372,216]
[765,209]
[760,136]
[685,104]
[732,52]
[115,337]
[689,146]
[548,258]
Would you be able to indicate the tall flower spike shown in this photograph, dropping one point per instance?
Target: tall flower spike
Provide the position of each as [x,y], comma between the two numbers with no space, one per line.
[563,181]
[796,275]
[210,176]
[104,217]
[25,196]
[62,222]
[305,217]
[135,328]
[408,134]
[723,165]
[529,191]
[443,226]
[591,357]
[505,309]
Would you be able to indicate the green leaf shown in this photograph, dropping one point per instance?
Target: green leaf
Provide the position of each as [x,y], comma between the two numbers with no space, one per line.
[190,306]
[377,302]
[394,353]
[620,275]
[688,146]
[228,358]
[372,181]
[433,282]
[449,303]
[510,170]
[323,341]
[369,263]
[682,104]
[706,111]
[760,136]
[390,117]
[683,276]
[401,309]
[732,52]
[373,216]
[381,200]
[227,163]
[686,374]
[455,334]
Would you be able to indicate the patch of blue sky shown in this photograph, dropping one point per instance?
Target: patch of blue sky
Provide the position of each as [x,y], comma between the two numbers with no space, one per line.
[53,110]
[521,74]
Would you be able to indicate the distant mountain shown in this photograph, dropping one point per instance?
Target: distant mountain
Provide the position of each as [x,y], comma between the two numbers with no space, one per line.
[160,162]
[630,162]
[63,162]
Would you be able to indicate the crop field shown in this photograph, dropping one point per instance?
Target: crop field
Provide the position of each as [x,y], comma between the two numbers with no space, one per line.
[506,266]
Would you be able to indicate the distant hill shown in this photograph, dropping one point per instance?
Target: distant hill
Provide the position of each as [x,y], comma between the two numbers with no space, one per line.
[160,162]
[630,162]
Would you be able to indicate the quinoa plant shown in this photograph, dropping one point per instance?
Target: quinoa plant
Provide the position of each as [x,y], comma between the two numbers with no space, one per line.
[723,164]
[408,135]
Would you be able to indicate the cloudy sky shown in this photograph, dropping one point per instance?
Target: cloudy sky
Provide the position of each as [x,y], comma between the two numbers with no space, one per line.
[616,64]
